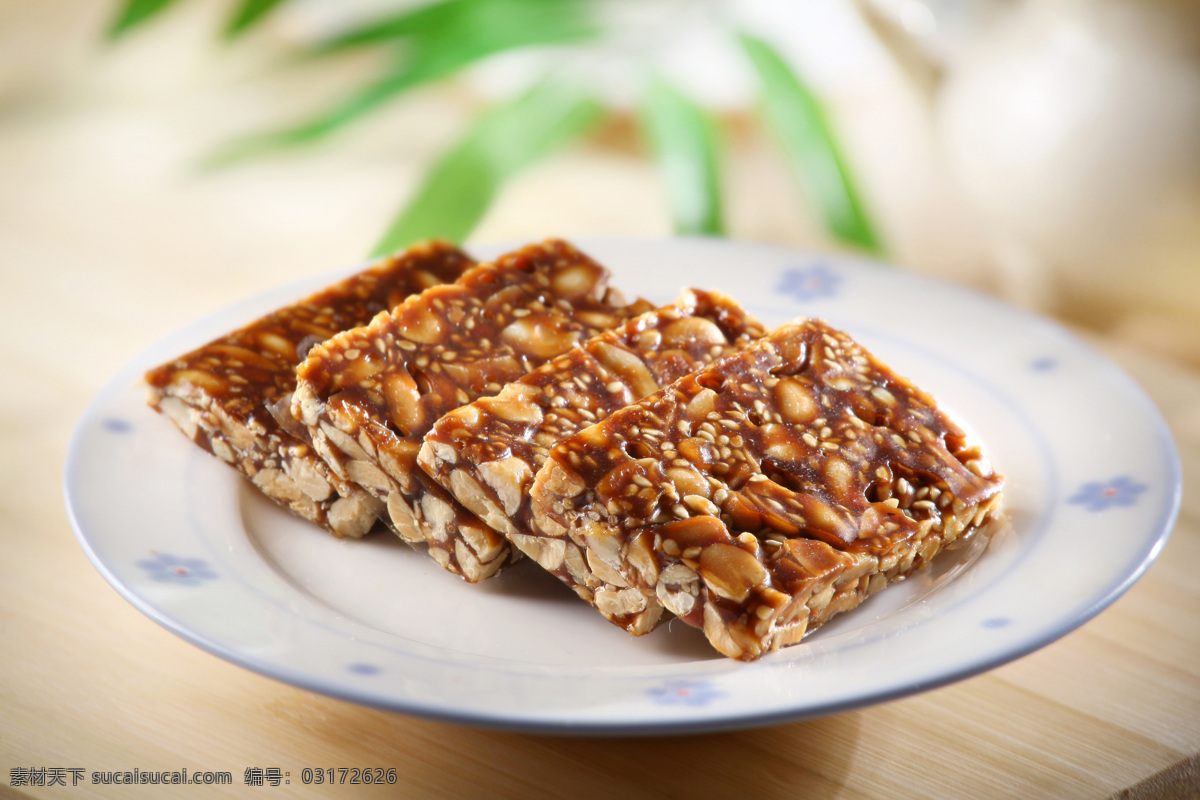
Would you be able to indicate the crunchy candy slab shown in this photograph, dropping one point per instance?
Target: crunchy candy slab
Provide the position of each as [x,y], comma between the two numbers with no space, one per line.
[487,453]
[758,497]
[368,396]
[224,395]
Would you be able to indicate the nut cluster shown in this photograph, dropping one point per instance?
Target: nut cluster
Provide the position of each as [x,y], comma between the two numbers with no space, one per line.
[487,453]
[231,395]
[369,395]
[679,461]
[799,472]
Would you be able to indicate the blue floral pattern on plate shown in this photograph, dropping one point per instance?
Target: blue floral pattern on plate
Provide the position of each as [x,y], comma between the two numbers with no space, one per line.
[1103,495]
[687,693]
[166,568]
[811,283]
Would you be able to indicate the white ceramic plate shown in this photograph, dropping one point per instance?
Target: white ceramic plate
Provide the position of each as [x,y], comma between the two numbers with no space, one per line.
[1093,489]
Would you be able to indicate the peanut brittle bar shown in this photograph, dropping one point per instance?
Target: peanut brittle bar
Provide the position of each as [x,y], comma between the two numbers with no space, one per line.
[760,496]
[225,395]
[486,453]
[368,396]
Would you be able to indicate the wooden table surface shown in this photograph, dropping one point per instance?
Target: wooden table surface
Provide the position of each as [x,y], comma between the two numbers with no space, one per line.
[109,241]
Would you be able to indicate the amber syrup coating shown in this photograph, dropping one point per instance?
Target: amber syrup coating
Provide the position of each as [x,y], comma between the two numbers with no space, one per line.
[765,493]
[231,395]
[369,396]
[487,453]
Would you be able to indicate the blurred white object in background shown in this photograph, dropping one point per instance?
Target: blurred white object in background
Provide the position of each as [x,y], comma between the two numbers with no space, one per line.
[1074,127]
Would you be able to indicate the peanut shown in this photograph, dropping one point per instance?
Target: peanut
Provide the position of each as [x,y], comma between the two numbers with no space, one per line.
[404,401]
[687,332]
[730,571]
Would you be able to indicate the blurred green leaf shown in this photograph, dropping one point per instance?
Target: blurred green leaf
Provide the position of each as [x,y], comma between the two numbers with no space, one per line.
[458,15]
[477,29]
[409,22]
[460,187]
[247,15]
[797,117]
[133,14]
[684,139]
